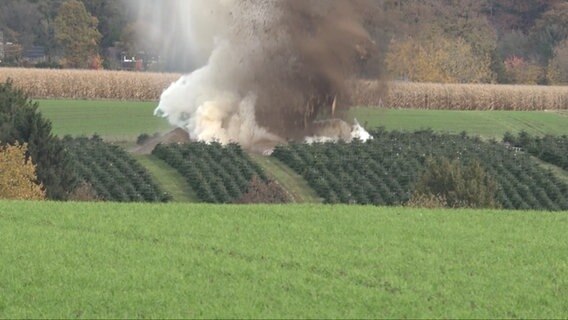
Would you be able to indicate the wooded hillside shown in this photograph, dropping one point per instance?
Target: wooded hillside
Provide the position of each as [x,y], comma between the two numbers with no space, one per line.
[457,41]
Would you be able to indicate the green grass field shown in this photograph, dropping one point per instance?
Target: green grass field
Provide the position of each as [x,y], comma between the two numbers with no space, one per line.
[488,124]
[124,121]
[112,120]
[69,260]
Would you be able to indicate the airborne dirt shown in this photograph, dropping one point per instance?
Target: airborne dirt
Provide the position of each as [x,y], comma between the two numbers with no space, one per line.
[273,68]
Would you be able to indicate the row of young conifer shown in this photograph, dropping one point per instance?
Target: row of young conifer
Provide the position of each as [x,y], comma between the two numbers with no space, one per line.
[218,174]
[548,148]
[390,169]
[111,173]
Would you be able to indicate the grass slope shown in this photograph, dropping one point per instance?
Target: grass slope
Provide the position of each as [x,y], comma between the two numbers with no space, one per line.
[168,179]
[488,124]
[290,180]
[112,120]
[68,260]
[558,172]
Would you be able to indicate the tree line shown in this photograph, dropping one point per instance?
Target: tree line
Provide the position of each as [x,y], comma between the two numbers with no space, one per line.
[478,41]
[72,33]
[458,41]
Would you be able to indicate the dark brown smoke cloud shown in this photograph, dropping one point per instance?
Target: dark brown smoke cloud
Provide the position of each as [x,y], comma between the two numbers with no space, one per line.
[312,49]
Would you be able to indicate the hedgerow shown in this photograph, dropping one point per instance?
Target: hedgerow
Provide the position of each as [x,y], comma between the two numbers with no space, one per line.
[112,172]
[385,170]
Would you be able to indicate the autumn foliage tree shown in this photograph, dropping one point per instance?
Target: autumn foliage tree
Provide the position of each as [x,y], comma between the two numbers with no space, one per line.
[518,70]
[549,30]
[21,122]
[18,178]
[439,59]
[76,32]
[558,66]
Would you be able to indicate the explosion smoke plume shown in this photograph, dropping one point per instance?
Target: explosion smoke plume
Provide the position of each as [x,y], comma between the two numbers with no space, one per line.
[273,67]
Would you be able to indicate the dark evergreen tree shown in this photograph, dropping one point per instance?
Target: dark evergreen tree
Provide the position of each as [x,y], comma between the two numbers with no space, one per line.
[21,121]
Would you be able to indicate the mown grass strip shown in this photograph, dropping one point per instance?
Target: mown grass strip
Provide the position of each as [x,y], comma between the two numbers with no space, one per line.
[69,260]
[168,179]
[288,179]
[557,171]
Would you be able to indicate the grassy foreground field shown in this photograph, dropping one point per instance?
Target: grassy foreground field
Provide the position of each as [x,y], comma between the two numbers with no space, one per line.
[124,121]
[68,260]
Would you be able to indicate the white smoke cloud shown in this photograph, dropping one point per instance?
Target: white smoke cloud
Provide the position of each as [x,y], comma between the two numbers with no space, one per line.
[209,102]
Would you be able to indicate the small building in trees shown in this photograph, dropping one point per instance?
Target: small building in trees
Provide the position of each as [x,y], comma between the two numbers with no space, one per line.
[35,54]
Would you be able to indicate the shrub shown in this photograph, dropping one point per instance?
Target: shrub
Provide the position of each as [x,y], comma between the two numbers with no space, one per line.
[18,178]
[143,138]
[259,191]
[84,192]
[459,185]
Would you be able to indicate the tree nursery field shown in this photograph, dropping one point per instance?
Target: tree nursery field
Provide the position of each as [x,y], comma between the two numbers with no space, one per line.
[107,260]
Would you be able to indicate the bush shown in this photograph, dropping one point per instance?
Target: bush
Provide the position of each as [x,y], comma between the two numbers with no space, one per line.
[17,175]
[260,191]
[84,192]
[459,185]
[143,138]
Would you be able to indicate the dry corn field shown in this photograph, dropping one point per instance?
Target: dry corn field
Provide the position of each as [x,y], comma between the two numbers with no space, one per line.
[122,85]
[409,95]
[89,84]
